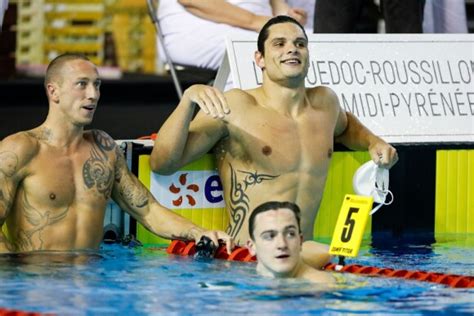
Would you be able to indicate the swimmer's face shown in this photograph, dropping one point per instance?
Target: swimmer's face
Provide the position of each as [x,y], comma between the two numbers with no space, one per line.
[285,53]
[77,91]
[277,243]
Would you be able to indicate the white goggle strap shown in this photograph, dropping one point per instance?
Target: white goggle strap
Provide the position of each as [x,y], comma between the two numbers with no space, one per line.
[388,192]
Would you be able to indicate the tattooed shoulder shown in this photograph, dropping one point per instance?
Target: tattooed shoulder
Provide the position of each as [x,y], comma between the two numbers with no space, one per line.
[98,169]
[120,163]
[103,140]
[41,134]
[8,163]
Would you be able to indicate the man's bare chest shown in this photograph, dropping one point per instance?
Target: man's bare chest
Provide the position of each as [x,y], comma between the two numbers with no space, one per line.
[62,180]
[281,144]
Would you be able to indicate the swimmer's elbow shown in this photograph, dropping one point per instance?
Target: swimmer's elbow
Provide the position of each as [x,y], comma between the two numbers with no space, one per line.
[154,166]
[157,166]
[162,166]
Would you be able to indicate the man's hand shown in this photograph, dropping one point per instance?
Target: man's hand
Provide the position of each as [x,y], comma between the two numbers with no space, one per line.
[383,154]
[299,15]
[209,99]
[215,236]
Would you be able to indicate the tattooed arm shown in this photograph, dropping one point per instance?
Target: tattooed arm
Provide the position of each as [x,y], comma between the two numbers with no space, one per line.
[15,152]
[133,197]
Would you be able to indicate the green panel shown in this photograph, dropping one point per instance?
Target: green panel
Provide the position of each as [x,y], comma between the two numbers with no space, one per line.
[441,191]
[206,162]
[454,208]
[338,184]
[143,234]
[461,194]
[210,218]
[470,191]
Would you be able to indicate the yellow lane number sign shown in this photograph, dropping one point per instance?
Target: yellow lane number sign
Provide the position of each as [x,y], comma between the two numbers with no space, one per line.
[350,225]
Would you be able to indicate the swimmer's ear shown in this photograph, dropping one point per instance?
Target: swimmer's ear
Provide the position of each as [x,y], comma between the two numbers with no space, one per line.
[52,90]
[251,247]
[259,60]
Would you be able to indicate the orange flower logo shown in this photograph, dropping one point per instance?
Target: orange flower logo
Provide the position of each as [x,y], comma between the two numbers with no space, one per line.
[182,185]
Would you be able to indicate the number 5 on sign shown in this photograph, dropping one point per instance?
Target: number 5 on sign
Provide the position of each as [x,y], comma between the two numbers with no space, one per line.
[350,225]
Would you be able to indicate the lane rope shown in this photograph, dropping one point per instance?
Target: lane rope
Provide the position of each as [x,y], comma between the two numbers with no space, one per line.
[182,248]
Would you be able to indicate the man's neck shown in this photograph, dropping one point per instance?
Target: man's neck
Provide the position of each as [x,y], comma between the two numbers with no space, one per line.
[284,99]
[60,134]
[295,273]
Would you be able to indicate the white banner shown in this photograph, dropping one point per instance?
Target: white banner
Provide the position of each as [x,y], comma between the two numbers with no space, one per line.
[188,189]
[409,88]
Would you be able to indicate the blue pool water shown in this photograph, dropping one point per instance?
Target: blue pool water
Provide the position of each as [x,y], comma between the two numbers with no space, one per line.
[122,281]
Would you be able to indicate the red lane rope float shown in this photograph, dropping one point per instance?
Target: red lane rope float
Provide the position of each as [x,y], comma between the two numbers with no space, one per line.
[152,137]
[182,248]
[178,247]
[452,280]
[13,312]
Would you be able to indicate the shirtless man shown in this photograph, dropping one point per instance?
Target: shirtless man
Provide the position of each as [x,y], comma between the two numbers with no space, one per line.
[276,239]
[56,179]
[274,142]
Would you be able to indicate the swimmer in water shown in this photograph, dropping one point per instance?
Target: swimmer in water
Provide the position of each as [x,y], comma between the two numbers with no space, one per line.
[276,240]
[56,179]
[273,142]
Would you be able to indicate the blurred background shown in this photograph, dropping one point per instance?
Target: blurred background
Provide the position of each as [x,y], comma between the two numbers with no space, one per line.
[112,33]
[119,37]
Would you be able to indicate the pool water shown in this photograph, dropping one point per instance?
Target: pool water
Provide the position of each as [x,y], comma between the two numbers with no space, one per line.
[147,281]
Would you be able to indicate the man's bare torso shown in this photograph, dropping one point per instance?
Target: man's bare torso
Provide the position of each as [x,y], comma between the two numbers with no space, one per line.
[274,156]
[62,193]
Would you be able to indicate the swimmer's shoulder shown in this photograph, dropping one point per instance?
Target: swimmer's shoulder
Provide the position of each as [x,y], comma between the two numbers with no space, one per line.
[319,276]
[20,147]
[98,135]
[240,98]
[101,139]
[322,97]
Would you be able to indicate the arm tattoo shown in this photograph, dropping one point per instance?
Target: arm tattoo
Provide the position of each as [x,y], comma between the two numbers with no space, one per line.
[239,200]
[119,165]
[8,167]
[8,163]
[133,193]
[96,172]
[31,239]
[135,197]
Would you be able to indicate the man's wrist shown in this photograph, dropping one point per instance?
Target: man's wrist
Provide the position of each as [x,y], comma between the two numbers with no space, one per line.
[258,22]
[195,233]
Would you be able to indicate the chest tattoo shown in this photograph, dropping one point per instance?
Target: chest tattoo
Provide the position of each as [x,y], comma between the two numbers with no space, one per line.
[97,171]
[239,200]
[31,238]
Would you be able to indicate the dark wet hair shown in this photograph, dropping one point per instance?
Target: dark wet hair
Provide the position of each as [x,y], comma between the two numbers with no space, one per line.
[273,205]
[57,63]
[263,35]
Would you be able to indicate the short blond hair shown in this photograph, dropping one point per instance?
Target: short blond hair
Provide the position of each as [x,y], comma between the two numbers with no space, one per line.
[57,64]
